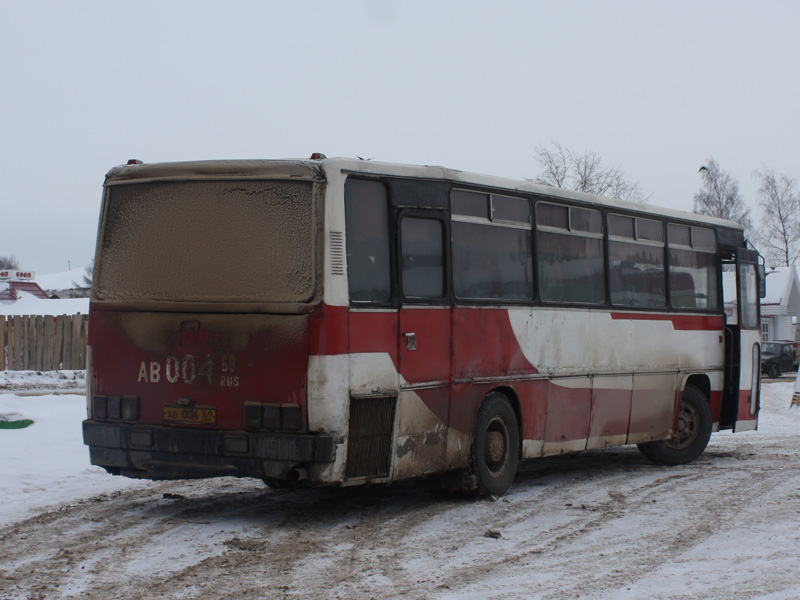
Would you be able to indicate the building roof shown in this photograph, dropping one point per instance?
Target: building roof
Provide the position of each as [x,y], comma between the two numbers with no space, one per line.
[17,288]
[783,292]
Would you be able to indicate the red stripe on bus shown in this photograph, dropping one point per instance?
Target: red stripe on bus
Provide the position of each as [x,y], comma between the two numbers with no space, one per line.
[679,322]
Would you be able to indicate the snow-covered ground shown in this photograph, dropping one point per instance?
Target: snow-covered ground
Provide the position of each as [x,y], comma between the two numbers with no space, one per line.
[599,525]
[37,382]
[29,304]
[45,463]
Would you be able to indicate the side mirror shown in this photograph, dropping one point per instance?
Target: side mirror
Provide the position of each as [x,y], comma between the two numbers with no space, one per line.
[762,281]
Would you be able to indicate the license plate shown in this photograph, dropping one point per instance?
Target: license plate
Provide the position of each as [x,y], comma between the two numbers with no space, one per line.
[199,415]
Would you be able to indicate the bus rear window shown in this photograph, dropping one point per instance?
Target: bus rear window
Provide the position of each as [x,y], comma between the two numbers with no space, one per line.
[208,241]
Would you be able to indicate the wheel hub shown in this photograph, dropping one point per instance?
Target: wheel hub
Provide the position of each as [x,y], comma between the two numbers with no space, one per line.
[495,448]
[687,430]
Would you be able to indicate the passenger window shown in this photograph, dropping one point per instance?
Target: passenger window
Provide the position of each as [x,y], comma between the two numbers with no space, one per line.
[507,208]
[570,254]
[422,244]
[368,255]
[636,262]
[492,262]
[491,241]
[470,204]
[693,268]
[693,279]
[552,215]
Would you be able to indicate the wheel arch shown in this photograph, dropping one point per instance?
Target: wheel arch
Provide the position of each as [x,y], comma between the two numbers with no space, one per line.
[701,382]
[513,398]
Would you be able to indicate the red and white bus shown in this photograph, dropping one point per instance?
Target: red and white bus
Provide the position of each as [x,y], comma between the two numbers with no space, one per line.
[338,321]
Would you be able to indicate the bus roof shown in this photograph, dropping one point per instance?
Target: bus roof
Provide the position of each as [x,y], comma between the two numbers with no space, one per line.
[136,171]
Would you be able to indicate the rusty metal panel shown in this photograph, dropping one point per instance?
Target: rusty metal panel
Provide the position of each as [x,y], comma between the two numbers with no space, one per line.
[370,438]
[611,411]
[568,409]
[653,407]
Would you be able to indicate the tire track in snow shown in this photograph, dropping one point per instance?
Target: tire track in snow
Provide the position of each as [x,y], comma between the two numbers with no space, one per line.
[588,524]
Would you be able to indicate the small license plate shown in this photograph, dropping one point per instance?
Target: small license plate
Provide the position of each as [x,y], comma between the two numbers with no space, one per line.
[200,415]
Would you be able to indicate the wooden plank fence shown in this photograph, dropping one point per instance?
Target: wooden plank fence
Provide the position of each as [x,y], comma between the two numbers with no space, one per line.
[43,343]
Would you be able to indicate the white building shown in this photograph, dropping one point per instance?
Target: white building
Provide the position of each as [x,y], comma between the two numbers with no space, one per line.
[781,306]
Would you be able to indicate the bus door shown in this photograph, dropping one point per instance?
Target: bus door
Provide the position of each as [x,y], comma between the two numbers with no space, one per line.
[743,354]
[425,333]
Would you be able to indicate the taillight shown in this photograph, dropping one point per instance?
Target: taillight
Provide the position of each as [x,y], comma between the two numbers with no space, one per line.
[115,408]
[272,416]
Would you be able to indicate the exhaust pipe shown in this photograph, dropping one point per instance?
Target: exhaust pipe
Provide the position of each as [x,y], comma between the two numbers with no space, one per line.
[295,475]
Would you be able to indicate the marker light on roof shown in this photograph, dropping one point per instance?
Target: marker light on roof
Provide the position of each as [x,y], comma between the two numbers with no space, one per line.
[318,156]
[134,161]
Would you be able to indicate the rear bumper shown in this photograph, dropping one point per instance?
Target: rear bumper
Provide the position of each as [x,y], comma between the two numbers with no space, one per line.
[153,452]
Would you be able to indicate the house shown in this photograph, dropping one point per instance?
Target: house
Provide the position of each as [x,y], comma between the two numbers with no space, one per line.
[780,308]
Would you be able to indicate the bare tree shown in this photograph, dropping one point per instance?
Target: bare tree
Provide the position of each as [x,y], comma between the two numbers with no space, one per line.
[720,196]
[779,237]
[9,262]
[88,275]
[585,172]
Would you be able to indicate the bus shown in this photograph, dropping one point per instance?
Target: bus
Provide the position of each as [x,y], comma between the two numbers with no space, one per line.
[341,321]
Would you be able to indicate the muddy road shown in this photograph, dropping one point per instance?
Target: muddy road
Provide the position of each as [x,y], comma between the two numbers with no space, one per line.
[599,525]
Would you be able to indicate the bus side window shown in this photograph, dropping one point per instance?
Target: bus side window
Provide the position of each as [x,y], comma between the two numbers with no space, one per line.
[636,262]
[422,243]
[570,254]
[693,268]
[492,262]
[491,245]
[368,257]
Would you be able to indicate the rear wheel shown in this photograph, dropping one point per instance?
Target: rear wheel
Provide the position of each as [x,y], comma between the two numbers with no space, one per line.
[494,456]
[775,371]
[692,433]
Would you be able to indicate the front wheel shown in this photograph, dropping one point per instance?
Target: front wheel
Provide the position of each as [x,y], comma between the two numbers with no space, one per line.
[494,456]
[775,371]
[691,435]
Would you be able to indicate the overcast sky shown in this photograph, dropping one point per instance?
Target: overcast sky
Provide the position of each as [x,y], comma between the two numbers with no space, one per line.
[653,87]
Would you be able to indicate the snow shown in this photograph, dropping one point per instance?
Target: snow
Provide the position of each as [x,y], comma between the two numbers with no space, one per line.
[47,463]
[31,305]
[608,526]
[62,281]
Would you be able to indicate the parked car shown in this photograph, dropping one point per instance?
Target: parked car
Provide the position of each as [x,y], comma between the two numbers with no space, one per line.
[777,357]
[795,351]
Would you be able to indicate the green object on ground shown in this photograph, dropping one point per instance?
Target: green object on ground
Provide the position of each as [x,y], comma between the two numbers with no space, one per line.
[21,424]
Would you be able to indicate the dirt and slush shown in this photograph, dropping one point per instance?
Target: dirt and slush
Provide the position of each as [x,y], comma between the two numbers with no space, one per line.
[600,525]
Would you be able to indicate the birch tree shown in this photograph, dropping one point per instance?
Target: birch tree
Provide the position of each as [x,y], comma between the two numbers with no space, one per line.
[720,196]
[779,236]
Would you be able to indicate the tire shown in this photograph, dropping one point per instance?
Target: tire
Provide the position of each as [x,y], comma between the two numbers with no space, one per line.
[775,371]
[494,455]
[691,438]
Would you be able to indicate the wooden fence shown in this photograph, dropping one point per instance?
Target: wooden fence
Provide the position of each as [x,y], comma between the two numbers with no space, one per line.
[43,343]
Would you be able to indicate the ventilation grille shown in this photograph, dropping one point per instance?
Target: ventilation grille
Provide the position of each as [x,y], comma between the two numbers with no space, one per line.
[337,253]
[370,442]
